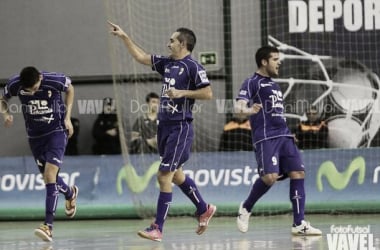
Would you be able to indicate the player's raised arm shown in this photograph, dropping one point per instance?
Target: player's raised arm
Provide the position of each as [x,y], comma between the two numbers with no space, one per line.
[138,53]
[8,118]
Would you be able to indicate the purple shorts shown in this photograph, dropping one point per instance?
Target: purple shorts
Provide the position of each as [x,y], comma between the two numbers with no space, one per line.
[49,148]
[279,155]
[174,141]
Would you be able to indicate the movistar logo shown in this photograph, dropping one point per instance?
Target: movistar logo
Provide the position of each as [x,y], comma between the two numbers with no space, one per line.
[337,180]
[135,183]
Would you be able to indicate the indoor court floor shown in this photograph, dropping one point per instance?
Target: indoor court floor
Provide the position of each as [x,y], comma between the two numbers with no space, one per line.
[265,232]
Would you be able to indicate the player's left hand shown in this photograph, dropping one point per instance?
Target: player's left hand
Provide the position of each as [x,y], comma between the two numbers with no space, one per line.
[69,127]
[174,93]
[8,121]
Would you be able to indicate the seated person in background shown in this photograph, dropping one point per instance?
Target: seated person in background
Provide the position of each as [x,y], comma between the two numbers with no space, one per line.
[105,130]
[236,135]
[144,130]
[312,133]
[72,143]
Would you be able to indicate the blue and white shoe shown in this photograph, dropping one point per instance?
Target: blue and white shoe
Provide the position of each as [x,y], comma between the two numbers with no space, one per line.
[305,229]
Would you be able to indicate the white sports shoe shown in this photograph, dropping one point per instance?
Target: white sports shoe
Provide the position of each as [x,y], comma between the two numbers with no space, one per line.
[243,219]
[305,229]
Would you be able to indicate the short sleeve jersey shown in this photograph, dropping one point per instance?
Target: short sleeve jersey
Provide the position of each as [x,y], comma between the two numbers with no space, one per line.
[269,122]
[44,111]
[184,74]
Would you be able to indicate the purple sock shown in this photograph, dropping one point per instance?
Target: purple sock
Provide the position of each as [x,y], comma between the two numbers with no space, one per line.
[63,188]
[297,197]
[51,203]
[163,204]
[259,188]
[189,188]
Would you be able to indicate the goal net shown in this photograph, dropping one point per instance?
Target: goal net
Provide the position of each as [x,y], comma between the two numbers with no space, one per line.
[329,61]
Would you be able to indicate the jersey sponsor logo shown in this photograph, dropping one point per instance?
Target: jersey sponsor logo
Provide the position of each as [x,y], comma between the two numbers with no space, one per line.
[202,74]
[170,80]
[337,180]
[276,99]
[38,107]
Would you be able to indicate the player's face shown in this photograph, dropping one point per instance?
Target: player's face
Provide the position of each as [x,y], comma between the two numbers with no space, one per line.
[175,46]
[273,64]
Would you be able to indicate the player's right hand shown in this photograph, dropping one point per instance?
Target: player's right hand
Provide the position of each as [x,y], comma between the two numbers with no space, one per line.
[116,30]
[256,107]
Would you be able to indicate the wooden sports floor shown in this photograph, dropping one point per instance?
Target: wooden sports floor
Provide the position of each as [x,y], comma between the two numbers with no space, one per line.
[265,232]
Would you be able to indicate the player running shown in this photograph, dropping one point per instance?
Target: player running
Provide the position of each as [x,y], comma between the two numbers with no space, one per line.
[48,126]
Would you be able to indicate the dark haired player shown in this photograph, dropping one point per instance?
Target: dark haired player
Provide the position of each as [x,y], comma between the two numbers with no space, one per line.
[48,126]
[184,80]
[277,155]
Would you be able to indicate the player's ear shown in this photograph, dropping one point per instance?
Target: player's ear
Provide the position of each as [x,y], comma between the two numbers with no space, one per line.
[183,44]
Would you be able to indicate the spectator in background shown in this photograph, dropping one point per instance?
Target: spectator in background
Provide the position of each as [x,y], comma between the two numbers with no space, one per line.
[105,130]
[312,133]
[236,135]
[72,143]
[144,131]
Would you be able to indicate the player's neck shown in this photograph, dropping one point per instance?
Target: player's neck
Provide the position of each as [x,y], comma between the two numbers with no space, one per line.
[180,56]
[262,72]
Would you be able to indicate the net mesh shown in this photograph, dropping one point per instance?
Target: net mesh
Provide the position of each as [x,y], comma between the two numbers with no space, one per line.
[332,71]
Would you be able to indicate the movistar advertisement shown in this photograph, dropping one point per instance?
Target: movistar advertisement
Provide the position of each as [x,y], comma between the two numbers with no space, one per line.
[332,177]
[330,59]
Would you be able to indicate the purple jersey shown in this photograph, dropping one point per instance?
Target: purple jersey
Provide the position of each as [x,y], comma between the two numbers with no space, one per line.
[180,74]
[44,111]
[269,122]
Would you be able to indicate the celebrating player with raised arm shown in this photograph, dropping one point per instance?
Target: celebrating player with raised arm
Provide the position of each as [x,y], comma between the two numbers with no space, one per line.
[184,80]
[277,155]
[48,126]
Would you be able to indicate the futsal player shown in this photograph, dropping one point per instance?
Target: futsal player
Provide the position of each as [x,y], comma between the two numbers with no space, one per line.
[184,80]
[277,155]
[48,127]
